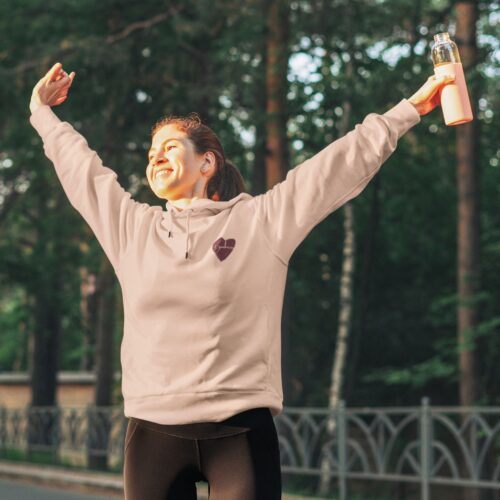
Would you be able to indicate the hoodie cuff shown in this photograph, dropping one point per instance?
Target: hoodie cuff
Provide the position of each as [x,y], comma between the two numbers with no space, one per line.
[44,120]
[405,115]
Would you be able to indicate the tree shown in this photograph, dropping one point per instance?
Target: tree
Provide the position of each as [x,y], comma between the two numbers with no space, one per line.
[277,161]
[468,226]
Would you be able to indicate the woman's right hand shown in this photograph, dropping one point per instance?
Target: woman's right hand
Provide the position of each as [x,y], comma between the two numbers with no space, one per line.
[52,89]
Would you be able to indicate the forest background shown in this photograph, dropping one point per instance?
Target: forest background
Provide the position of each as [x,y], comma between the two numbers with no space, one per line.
[277,81]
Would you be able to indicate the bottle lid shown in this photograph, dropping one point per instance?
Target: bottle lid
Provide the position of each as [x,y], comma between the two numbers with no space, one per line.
[442,37]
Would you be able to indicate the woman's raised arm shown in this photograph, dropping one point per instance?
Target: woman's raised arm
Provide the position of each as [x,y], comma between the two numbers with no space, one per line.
[92,189]
[339,172]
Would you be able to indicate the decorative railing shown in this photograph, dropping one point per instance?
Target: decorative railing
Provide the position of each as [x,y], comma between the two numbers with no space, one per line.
[72,434]
[454,446]
[425,445]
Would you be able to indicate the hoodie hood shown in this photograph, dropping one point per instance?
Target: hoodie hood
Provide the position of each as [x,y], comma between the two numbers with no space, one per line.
[199,208]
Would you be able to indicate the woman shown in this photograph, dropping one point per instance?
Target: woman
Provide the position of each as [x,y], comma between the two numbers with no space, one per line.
[203,284]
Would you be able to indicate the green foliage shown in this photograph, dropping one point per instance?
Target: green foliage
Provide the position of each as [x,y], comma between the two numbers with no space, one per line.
[206,57]
[416,376]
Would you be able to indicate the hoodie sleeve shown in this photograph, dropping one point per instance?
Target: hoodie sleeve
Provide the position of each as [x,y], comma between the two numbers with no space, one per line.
[339,172]
[91,188]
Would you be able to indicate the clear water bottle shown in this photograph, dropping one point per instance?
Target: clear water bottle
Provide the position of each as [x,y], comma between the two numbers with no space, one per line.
[455,101]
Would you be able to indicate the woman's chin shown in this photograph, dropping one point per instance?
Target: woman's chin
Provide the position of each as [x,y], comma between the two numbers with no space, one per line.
[161,193]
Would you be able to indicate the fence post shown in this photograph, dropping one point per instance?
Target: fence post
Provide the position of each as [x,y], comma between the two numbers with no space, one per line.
[342,449]
[88,442]
[3,426]
[425,449]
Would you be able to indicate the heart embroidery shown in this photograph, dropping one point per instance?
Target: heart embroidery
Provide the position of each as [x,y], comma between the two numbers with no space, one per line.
[223,248]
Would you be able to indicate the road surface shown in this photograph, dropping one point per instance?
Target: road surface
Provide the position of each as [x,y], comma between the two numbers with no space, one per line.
[16,490]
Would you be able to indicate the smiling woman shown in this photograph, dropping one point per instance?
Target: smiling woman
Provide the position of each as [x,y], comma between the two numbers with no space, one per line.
[203,287]
[186,161]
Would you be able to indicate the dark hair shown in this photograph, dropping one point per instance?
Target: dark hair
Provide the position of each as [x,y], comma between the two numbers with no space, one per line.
[227,182]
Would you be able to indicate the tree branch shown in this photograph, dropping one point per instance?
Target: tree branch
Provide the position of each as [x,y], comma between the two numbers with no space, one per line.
[110,39]
[141,25]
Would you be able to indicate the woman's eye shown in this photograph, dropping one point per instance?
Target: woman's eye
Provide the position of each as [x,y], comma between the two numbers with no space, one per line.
[168,149]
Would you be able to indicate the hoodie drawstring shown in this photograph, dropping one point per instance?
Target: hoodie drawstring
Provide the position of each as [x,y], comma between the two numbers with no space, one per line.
[170,229]
[187,233]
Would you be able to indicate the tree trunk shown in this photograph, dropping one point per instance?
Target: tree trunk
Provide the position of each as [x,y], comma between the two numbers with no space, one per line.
[346,281]
[468,224]
[100,427]
[104,334]
[346,303]
[260,100]
[102,317]
[87,311]
[45,352]
[23,345]
[42,424]
[277,158]
[46,295]
[346,297]
[358,331]
[276,84]
[468,215]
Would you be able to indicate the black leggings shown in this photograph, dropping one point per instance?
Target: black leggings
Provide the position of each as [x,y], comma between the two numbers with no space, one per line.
[239,458]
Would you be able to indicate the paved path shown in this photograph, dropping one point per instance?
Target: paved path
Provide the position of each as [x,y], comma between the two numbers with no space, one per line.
[26,481]
[14,490]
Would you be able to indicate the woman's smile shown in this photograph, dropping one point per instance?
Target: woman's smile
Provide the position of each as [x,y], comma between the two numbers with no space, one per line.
[162,173]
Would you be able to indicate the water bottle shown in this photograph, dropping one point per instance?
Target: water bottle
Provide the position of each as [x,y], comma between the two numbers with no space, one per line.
[455,101]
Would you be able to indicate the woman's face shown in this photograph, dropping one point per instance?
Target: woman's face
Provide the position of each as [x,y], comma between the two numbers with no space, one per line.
[173,169]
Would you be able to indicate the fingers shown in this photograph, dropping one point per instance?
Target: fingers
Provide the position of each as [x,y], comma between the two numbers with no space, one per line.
[447,78]
[443,79]
[434,84]
[437,80]
[54,87]
[427,97]
[62,82]
[57,74]
[53,72]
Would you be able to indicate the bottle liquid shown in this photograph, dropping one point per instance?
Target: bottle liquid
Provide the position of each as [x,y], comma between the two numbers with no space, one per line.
[455,101]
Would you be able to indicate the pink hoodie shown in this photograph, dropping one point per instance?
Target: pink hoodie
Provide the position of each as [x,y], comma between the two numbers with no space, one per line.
[203,288]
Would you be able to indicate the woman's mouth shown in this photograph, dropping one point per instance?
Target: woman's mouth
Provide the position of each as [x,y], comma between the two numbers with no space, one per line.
[163,172]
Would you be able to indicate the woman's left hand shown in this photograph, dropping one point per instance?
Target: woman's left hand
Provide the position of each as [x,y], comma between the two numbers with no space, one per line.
[427,97]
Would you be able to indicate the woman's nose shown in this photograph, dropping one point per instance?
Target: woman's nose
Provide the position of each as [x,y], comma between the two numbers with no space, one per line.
[158,158]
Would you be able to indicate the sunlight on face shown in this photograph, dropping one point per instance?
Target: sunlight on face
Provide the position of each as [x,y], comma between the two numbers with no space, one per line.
[173,165]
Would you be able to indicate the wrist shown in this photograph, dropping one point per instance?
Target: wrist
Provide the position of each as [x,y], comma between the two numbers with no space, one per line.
[415,105]
[35,104]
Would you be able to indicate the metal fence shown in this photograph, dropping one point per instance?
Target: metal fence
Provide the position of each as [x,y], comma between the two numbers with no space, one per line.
[424,445]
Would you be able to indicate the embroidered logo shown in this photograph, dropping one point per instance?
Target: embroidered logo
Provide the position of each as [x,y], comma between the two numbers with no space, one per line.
[223,248]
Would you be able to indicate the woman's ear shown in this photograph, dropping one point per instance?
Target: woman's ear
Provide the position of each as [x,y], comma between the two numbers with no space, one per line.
[210,158]
[209,163]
